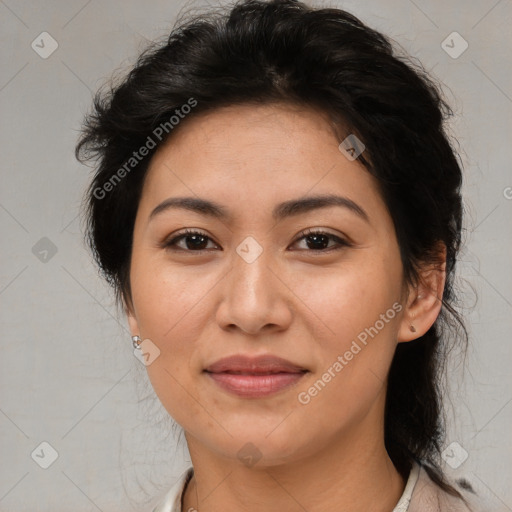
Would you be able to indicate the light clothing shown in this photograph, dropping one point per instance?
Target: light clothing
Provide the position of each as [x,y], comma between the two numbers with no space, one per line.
[420,495]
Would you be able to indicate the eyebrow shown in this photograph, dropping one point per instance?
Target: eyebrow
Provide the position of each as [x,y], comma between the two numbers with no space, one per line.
[281,211]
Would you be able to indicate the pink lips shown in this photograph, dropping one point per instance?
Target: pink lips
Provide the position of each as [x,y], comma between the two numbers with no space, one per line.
[254,377]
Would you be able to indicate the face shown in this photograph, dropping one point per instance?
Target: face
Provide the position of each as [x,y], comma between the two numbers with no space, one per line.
[255,281]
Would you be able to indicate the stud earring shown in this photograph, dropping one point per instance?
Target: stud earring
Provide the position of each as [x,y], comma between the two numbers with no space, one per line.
[136,341]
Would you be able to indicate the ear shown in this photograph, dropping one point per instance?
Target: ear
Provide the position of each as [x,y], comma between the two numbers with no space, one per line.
[424,300]
[130,316]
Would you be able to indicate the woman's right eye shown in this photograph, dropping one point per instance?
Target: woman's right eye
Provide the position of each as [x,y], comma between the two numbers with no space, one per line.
[192,241]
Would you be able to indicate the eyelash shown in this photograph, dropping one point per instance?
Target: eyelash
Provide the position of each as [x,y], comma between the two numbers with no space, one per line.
[170,244]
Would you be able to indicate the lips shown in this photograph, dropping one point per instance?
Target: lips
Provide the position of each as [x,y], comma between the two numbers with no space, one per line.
[254,377]
[260,365]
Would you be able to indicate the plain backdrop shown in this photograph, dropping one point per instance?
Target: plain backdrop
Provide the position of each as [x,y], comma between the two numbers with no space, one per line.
[69,378]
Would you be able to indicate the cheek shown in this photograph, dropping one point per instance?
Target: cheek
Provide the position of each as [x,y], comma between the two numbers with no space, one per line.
[167,304]
[357,313]
[345,300]
[167,299]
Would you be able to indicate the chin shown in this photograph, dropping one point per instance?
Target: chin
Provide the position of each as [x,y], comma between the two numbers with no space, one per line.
[256,448]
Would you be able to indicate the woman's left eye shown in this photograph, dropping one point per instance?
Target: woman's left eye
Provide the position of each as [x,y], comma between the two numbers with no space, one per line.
[196,241]
[316,240]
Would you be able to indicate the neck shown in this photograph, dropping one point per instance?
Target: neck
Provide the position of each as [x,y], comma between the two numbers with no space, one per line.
[353,472]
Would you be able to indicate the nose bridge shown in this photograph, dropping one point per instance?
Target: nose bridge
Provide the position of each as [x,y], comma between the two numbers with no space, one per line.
[251,270]
[253,296]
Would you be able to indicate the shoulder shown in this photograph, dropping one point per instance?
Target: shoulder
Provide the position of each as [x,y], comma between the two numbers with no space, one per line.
[171,502]
[427,496]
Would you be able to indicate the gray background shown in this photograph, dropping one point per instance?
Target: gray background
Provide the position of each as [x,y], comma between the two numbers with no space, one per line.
[68,375]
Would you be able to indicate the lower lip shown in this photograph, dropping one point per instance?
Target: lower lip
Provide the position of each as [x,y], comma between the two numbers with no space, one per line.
[255,386]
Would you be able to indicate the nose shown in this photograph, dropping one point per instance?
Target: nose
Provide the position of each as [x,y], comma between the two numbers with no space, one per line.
[255,297]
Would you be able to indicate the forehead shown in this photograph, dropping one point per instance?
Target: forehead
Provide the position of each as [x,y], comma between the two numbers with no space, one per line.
[276,130]
[250,155]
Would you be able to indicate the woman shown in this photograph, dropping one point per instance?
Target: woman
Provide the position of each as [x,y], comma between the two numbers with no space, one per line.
[278,208]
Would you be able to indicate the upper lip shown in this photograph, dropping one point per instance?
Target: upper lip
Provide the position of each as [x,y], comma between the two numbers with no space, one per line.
[255,365]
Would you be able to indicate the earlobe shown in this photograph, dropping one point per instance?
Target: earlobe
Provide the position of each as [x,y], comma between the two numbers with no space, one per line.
[423,304]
